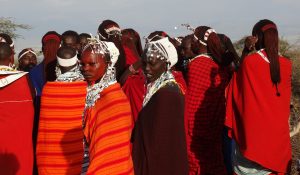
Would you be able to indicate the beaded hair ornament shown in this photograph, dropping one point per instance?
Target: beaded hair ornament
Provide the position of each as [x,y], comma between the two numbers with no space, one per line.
[111,31]
[206,35]
[164,50]
[109,78]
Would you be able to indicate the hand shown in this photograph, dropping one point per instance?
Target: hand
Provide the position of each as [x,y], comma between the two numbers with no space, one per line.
[250,43]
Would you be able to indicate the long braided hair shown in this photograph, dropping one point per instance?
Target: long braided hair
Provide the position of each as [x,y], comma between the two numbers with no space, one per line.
[267,34]
[208,37]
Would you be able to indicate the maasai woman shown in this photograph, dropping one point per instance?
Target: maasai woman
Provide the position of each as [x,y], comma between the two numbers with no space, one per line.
[207,79]
[107,120]
[159,146]
[258,107]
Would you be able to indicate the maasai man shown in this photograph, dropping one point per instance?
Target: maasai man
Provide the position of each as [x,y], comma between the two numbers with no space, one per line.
[205,103]
[7,39]
[110,31]
[258,107]
[133,79]
[50,44]
[107,120]
[186,53]
[83,40]
[159,146]
[70,38]
[230,51]
[45,71]
[27,59]
[59,143]
[227,141]
[16,117]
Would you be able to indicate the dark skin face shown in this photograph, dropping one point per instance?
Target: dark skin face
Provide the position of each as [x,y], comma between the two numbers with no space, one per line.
[83,41]
[93,66]
[153,67]
[186,48]
[112,37]
[71,42]
[27,62]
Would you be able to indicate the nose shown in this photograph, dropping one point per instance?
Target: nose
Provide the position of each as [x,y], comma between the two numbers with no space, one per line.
[84,68]
[32,60]
[146,67]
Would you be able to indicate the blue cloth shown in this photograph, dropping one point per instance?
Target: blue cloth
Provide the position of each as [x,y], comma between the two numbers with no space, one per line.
[36,76]
[227,151]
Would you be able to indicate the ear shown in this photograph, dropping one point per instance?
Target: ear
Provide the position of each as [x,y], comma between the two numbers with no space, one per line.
[11,59]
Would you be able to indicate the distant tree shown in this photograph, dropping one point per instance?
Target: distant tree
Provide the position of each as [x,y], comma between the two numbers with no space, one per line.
[8,26]
[285,48]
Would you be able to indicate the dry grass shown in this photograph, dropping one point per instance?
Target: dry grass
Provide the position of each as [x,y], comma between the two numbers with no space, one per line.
[295,110]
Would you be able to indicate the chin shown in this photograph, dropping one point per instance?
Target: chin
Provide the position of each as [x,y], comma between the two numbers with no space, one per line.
[150,80]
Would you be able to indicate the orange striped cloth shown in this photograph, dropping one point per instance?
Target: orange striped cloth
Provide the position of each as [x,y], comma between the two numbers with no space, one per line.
[108,127]
[59,143]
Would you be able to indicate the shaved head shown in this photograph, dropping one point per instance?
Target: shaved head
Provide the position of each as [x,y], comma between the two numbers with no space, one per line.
[66,52]
[5,52]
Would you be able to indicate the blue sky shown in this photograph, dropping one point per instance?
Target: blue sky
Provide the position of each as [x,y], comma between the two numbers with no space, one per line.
[234,18]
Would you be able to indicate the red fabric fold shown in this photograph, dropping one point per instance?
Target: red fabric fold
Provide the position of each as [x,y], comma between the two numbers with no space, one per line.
[258,116]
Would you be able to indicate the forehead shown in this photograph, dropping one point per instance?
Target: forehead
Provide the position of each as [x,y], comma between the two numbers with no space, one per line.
[111,25]
[152,56]
[70,39]
[29,54]
[88,56]
[186,41]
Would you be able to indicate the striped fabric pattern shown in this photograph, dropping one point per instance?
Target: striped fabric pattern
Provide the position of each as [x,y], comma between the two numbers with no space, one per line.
[108,127]
[59,144]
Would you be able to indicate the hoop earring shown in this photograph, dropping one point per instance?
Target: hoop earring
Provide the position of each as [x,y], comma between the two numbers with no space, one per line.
[13,66]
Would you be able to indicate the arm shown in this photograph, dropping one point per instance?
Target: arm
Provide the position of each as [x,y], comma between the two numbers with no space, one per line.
[110,149]
[130,71]
[249,46]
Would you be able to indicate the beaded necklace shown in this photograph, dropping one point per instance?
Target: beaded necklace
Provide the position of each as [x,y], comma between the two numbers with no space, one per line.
[153,87]
[201,55]
[70,76]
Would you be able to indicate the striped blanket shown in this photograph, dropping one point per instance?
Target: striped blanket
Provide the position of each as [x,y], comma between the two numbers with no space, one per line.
[107,130]
[59,144]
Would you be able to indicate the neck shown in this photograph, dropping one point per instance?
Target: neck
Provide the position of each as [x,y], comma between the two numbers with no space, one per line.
[202,50]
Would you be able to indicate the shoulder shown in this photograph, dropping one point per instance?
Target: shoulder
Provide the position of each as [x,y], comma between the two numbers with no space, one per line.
[251,57]
[114,95]
[170,92]
[285,60]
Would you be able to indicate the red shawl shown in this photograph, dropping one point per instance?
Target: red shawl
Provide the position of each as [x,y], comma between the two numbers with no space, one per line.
[134,88]
[180,80]
[204,115]
[16,124]
[131,57]
[259,118]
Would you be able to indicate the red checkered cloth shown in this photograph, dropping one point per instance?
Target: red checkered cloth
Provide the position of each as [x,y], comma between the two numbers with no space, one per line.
[204,115]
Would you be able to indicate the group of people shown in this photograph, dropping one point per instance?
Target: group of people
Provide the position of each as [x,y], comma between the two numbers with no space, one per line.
[179,106]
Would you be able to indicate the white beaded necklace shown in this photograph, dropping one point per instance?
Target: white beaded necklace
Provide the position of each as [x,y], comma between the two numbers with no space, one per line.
[153,87]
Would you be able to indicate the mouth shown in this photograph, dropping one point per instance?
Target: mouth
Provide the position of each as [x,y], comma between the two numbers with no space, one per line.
[87,76]
[148,76]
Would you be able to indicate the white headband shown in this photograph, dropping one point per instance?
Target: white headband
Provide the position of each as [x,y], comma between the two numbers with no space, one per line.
[103,47]
[113,28]
[28,51]
[113,52]
[67,62]
[4,41]
[166,48]
[108,30]
[206,35]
